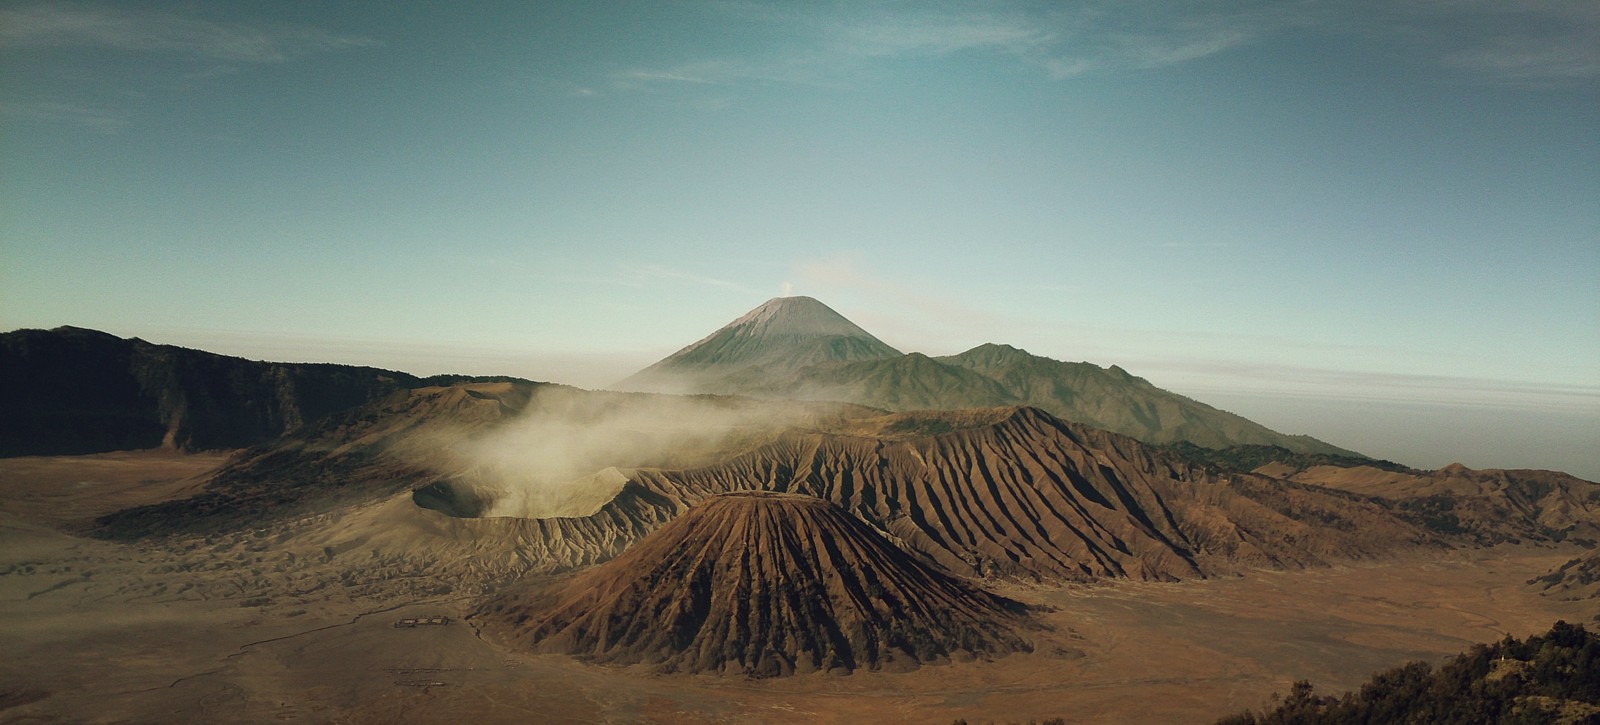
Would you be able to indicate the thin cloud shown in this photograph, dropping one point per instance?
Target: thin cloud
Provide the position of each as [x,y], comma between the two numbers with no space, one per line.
[90,117]
[1530,59]
[53,26]
[1507,40]
[1503,41]
[940,35]
[645,76]
[796,70]
[638,276]
[828,49]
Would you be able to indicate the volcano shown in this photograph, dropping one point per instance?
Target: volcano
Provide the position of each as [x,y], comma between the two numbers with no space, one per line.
[797,348]
[777,339]
[763,585]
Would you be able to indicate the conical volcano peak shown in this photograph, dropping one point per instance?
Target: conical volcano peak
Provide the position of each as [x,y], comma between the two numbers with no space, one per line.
[783,335]
[799,317]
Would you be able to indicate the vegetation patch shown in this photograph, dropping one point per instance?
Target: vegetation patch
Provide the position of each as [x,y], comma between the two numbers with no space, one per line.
[1548,678]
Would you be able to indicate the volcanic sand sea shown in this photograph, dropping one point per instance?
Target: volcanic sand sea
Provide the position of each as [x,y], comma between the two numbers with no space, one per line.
[101,632]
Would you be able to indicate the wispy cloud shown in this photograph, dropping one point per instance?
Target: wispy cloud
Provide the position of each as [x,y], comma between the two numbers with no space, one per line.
[56,26]
[189,48]
[829,48]
[1495,41]
[1508,40]
[90,117]
[645,275]
[799,69]
[671,76]
[939,34]
[1515,59]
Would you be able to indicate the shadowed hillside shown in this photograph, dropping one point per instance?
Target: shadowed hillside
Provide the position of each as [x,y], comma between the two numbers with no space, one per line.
[70,391]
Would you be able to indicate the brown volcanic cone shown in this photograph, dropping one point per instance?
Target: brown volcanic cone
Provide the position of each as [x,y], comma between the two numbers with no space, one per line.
[764,585]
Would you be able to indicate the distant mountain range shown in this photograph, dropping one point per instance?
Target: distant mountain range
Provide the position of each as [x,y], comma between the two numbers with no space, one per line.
[73,391]
[799,348]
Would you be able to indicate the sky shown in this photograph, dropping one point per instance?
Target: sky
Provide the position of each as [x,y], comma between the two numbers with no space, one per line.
[1377,223]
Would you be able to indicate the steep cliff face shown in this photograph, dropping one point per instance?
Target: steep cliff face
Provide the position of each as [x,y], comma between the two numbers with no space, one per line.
[71,391]
[764,585]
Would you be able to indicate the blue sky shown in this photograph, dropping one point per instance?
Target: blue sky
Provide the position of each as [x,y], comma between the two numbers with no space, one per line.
[1374,222]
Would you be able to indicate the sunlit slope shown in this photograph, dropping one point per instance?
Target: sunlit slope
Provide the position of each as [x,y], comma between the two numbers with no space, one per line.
[1492,505]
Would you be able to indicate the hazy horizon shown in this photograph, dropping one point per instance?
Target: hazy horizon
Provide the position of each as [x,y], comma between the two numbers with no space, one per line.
[1373,223]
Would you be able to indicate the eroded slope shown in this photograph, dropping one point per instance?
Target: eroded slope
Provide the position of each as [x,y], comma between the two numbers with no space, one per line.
[764,585]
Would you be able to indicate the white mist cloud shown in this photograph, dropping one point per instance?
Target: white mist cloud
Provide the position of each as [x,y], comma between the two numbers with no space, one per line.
[1507,41]
[569,453]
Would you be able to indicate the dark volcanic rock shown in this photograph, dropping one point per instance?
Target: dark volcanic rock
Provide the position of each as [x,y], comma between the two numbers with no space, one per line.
[764,585]
[71,391]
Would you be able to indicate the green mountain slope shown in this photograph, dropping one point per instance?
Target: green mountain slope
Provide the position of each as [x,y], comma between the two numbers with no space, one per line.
[1113,399]
[798,348]
[782,336]
[908,382]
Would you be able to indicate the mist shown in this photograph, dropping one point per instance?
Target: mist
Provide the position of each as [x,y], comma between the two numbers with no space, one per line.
[570,452]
